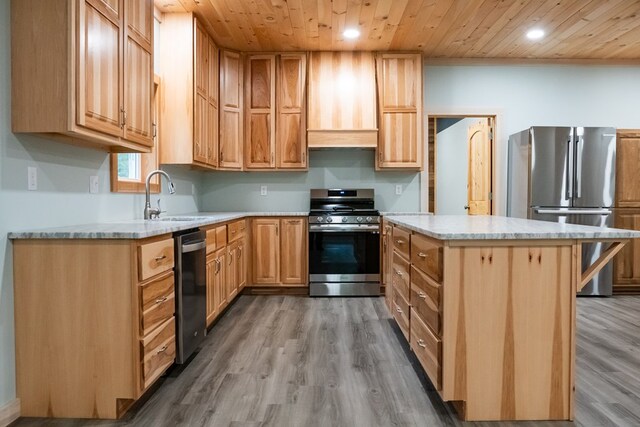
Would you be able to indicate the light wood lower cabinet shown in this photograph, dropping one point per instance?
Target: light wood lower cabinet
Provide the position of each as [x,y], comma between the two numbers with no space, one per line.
[626,265]
[82,71]
[279,251]
[386,262]
[92,332]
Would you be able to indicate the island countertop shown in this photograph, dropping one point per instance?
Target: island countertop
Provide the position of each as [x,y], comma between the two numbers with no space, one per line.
[461,227]
[139,228]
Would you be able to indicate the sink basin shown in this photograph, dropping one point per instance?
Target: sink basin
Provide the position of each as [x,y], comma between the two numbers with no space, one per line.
[183,218]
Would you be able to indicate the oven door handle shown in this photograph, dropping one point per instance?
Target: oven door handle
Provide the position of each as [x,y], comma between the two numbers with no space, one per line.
[339,229]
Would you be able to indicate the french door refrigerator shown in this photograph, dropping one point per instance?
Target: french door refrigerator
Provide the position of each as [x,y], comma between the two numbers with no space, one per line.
[566,175]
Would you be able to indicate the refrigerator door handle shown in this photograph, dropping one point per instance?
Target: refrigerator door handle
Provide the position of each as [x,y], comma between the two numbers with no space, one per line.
[579,148]
[573,211]
[569,169]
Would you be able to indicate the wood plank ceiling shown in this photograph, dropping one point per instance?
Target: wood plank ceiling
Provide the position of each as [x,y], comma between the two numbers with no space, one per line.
[576,29]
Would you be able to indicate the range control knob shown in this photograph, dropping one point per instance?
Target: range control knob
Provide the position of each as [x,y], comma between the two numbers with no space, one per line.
[329,219]
[319,219]
[369,219]
[359,219]
[345,219]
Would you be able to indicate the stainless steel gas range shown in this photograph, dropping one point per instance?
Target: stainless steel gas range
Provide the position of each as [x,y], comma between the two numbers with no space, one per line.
[344,243]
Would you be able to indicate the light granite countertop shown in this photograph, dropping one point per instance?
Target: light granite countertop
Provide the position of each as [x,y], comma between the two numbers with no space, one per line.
[385,214]
[140,229]
[461,227]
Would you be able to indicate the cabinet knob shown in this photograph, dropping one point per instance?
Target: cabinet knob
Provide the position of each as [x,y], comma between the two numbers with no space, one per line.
[400,242]
[422,295]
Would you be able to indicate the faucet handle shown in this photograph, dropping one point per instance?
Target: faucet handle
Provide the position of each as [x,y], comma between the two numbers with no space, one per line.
[159,208]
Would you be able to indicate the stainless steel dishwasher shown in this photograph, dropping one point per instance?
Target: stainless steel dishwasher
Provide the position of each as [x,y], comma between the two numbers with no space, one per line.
[191,295]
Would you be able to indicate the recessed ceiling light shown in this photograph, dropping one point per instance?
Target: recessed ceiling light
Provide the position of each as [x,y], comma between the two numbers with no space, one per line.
[351,33]
[535,34]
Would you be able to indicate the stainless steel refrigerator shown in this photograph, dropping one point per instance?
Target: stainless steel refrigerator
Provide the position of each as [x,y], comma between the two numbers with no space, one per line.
[566,175]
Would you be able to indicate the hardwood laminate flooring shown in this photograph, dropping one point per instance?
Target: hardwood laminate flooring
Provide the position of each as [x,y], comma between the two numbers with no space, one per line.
[292,361]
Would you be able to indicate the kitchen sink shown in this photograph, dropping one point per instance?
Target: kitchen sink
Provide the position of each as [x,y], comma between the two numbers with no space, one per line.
[183,218]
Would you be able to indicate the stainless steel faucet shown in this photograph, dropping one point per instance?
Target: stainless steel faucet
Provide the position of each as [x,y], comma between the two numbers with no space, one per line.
[149,212]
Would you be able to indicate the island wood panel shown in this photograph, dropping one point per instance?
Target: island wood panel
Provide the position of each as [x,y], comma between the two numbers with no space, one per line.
[231,117]
[508,334]
[291,126]
[266,251]
[342,98]
[77,349]
[293,251]
[447,29]
[626,265]
[260,104]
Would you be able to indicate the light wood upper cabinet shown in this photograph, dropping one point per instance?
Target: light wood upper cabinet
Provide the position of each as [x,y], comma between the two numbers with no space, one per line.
[93,87]
[260,102]
[342,100]
[293,251]
[275,112]
[231,123]
[291,135]
[189,108]
[266,251]
[400,110]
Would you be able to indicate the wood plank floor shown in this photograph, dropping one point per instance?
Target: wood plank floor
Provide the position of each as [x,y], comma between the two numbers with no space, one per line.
[290,361]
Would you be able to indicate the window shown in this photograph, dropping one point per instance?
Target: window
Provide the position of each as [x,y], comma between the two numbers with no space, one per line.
[129,170]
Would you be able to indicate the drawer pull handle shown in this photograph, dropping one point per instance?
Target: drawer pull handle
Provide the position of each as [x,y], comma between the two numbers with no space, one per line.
[162,350]
[398,273]
[398,310]
[422,255]
[233,232]
[160,258]
[161,300]
[421,343]
[422,295]
[400,242]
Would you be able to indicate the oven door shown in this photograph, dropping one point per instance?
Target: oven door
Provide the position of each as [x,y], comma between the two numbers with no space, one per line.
[339,254]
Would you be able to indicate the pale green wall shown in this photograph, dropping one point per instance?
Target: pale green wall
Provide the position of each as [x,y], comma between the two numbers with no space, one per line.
[62,197]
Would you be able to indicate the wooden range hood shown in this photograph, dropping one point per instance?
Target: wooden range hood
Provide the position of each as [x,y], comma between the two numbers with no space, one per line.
[342,100]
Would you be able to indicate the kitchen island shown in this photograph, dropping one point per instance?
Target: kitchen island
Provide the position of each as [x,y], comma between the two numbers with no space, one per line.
[488,305]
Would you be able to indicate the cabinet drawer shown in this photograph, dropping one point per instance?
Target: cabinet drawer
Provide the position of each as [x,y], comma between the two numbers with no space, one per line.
[401,241]
[425,299]
[155,258]
[428,349]
[158,352]
[236,230]
[157,301]
[401,313]
[400,276]
[426,254]
[216,238]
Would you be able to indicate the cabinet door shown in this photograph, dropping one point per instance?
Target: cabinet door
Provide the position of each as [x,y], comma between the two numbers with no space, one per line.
[201,59]
[231,135]
[220,280]
[291,127]
[265,248]
[212,140]
[212,270]
[138,71]
[99,73]
[242,264]
[232,272]
[628,172]
[386,266]
[400,110]
[260,103]
[293,250]
[626,266]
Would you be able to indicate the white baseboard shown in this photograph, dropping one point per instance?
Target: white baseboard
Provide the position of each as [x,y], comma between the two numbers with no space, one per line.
[9,412]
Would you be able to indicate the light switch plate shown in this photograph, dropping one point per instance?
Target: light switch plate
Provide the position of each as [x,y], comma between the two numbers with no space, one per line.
[398,189]
[32,178]
[94,184]
[263,190]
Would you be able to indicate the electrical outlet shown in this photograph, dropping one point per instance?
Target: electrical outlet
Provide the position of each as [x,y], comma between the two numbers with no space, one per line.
[398,189]
[94,184]
[263,190]
[32,178]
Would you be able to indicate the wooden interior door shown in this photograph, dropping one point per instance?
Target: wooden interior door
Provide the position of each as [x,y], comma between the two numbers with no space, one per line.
[99,68]
[291,127]
[138,72]
[293,250]
[260,102]
[266,251]
[479,175]
[230,125]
